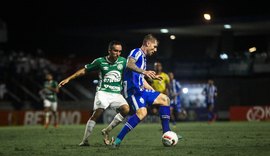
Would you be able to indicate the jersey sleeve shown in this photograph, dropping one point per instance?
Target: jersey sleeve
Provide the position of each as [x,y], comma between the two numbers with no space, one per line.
[92,66]
[134,54]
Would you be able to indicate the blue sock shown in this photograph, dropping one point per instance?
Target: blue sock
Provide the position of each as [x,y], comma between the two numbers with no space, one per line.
[164,113]
[129,125]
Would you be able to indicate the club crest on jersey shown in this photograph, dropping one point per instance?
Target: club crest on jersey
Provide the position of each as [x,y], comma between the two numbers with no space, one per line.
[141,100]
[119,66]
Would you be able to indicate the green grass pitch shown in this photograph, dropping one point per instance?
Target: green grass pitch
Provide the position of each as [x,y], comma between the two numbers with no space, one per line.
[199,138]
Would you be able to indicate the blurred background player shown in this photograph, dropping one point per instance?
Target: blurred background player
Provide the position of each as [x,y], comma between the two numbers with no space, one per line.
[139,93]
[210,93]
[109,89]
[177,112]
[49,96]
[162,85]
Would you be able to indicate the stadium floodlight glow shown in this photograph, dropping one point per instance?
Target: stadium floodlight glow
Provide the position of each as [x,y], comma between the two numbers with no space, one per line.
[227,26]
[164,31]
[172,37]
[223,56]
[252,49]
[185,90]
[207,16]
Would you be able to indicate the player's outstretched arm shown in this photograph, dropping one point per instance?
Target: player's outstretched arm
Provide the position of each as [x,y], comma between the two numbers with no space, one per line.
[80,72]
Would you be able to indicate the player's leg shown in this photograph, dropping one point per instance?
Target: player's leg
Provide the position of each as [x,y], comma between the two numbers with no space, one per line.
[90,126]
[132,122]
[47,105]
[120,103]
[164,111]
[118,118]
[47,117]
[100,104]
[210,113]
[173,117]
[138,102]
[55,114]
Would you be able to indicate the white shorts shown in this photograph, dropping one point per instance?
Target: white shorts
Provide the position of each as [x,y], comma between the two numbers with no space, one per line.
[105,100]
[52,105]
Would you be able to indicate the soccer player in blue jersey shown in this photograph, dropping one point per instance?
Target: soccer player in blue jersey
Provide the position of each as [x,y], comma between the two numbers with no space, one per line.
[138,92]
[175,90]
[210,93]
[109,89]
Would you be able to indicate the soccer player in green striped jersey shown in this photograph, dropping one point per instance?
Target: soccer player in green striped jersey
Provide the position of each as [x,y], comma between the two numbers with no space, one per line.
[109,89]
[49,96]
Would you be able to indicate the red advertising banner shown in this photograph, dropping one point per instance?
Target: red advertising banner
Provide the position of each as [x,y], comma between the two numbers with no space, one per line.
[66,117]
[249,113]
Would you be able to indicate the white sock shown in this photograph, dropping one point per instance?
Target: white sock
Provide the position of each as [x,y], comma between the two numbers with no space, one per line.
[47,117]
[88,129]
[56,118]
[118,118]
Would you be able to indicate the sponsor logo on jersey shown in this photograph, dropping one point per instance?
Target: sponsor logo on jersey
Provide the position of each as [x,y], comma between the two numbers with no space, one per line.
[114,88]
[105,68]
[112,76]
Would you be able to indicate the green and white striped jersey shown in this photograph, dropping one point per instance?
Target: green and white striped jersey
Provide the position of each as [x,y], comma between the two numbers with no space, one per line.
[50,95]
[110,74]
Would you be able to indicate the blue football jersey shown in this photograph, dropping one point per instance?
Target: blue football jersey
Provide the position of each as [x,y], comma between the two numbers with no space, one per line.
[175,88]
[133,80]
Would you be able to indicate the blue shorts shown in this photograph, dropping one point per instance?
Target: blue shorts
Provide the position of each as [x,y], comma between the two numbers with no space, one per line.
[142,98]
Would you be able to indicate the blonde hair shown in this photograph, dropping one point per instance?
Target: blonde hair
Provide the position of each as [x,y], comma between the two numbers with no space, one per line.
[149,37]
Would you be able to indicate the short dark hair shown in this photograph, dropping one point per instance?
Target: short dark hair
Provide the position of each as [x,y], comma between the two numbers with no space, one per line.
[112,43]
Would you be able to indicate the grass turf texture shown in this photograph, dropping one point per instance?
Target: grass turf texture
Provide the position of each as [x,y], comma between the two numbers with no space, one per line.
[199,138]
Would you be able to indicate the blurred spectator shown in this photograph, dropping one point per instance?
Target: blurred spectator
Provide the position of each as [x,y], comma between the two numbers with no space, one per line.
[210,93]
[49,96]
[161,86]
[177,112]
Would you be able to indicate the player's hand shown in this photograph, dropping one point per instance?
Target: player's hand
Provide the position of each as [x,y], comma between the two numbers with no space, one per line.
[158,77]
[150,74]
[62,83]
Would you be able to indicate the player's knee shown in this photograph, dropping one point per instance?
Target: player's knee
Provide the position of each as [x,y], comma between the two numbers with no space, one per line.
[124,110]
[96,114]
[165,100]
[162,100]
[141,113]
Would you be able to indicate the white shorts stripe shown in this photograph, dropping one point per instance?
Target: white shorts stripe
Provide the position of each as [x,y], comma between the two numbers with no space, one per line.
[134,102]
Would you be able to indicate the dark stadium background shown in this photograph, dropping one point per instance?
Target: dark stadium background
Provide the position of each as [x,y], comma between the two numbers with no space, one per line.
[76,32]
